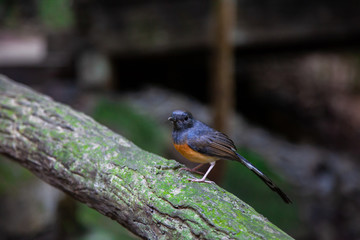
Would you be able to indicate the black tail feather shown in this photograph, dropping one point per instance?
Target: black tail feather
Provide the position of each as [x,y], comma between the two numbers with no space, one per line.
[264,178]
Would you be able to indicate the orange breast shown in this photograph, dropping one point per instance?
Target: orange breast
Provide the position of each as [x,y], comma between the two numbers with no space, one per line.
[192,155]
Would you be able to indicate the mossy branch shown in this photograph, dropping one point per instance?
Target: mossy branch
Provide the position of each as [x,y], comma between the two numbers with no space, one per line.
[145,193]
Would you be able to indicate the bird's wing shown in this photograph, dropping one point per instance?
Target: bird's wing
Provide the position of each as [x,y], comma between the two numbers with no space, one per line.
[219,145]
[214,144]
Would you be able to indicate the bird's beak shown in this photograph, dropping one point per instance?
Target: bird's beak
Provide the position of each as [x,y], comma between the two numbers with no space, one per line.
[170,119]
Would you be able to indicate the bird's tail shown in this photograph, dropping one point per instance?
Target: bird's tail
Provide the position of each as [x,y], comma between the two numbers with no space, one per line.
[264,178]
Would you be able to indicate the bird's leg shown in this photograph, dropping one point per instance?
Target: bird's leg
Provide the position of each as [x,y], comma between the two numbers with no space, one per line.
[212,164]
[194,169]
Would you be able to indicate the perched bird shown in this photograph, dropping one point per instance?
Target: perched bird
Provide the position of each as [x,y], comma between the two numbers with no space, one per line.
[202,144]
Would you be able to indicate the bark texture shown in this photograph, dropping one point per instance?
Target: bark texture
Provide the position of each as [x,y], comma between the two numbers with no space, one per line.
[144,192]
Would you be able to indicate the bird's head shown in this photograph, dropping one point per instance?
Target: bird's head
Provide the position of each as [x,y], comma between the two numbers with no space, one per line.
[181,119]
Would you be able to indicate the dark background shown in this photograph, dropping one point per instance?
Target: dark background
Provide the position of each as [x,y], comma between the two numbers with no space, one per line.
[295,110]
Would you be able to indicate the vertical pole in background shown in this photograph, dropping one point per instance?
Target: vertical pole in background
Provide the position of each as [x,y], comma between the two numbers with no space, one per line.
[223,84]
[222,71]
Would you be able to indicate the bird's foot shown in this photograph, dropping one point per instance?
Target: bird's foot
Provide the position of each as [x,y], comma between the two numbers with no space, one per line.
[200,180]
[191,170]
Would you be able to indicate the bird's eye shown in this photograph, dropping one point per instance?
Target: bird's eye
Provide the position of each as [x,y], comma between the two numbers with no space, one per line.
[186,118]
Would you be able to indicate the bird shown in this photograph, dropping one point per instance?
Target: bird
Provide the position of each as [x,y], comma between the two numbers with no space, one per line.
[202,144]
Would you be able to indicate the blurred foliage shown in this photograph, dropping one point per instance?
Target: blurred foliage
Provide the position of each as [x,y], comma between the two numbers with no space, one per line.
[11,175]
[124,119]
[100,227]
[11,18]
[248,187]
[56,14]
[53,14]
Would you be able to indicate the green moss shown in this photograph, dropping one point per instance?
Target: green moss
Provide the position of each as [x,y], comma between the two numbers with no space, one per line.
[5,125]
[62,154]
[9,113]
[59,109]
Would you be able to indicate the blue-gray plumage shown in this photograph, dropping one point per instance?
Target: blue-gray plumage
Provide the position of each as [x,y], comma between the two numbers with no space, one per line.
[200,143]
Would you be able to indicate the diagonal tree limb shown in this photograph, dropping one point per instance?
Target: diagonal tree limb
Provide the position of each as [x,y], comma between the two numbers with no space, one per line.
[144,192]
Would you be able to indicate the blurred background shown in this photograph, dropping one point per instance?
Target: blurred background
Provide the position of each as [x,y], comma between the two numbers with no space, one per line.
[280,77]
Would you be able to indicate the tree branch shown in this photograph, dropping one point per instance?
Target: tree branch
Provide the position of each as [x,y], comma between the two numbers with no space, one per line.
[145,193]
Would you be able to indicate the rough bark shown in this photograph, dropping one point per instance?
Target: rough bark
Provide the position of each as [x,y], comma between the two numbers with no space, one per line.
[144,192]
